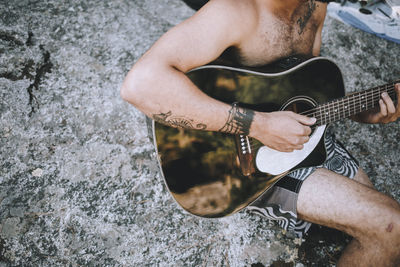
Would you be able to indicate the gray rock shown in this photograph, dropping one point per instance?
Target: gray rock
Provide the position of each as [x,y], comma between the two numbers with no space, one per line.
[79,182]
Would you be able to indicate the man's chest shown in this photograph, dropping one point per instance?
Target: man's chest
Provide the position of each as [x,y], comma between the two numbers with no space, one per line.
[277,38]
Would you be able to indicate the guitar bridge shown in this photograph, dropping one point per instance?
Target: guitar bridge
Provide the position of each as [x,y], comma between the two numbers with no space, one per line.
[245,154]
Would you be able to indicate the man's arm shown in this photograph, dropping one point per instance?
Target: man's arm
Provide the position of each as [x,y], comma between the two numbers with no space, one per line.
[158,86]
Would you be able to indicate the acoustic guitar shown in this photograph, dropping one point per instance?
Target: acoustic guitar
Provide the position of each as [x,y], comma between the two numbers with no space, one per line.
[213,174]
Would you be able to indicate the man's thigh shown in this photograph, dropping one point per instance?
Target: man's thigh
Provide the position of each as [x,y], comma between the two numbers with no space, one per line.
[336,201]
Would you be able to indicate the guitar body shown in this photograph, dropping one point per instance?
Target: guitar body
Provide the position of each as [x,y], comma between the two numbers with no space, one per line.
[208,173]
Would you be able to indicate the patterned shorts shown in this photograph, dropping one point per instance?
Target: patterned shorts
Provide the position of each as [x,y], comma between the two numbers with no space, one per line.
[280,202]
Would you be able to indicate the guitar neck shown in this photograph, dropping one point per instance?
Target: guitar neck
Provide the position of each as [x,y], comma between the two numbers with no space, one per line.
[352,104]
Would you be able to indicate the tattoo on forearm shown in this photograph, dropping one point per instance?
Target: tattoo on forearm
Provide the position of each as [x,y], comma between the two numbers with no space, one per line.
[239,120]
[177,121]
[302,21]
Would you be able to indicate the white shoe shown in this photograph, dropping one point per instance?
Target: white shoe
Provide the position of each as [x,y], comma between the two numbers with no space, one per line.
[379,18]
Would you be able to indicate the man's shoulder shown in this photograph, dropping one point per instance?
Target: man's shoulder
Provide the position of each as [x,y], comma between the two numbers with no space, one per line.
[243,8]
[240,14]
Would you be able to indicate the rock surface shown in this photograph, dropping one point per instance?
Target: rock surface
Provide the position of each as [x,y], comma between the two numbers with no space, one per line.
[79,182]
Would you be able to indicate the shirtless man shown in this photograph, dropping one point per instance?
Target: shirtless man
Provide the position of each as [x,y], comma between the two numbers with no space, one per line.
[259,32]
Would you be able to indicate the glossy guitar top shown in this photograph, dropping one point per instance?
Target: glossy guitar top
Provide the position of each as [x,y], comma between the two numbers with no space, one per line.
[212,174]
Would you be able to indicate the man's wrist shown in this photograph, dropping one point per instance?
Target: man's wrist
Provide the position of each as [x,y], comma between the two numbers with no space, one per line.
[239,120]
[259,125]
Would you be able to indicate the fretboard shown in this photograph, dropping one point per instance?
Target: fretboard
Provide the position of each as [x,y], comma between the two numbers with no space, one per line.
[351,104]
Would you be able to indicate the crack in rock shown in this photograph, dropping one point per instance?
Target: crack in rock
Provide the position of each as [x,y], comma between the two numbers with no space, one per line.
[44,68]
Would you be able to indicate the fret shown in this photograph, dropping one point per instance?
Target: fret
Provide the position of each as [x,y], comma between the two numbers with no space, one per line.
[338,105]
[365,105]
[342,108]
[356,105]
[351,104]
[327,114]
[372,99]
[334,110]
[320,115]
[337,109]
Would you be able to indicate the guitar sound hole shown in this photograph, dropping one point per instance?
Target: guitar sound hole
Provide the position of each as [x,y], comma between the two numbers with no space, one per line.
[301,105]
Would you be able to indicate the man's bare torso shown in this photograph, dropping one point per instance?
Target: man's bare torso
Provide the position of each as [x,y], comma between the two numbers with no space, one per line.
[279,34]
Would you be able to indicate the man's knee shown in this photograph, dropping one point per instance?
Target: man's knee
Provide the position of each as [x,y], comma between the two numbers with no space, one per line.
[391,237]
[385,234]
[391,234]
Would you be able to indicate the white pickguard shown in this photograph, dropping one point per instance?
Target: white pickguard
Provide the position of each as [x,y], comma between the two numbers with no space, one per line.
[274,162]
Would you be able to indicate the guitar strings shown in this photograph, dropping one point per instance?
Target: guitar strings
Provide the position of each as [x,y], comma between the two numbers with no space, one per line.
[373,93]
[352,98]
[337,111]
[349,104]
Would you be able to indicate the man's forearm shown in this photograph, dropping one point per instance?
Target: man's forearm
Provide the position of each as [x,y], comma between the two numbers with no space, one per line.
[172,99]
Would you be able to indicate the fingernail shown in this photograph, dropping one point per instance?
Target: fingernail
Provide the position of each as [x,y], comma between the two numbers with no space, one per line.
[384,94]
[313,120]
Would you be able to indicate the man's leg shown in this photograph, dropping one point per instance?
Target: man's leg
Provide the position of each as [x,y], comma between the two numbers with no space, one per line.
[372,218]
